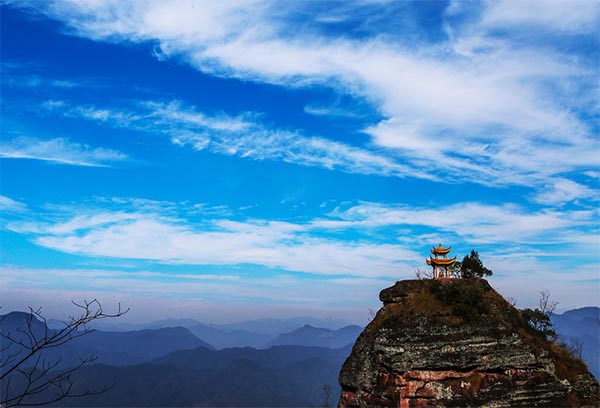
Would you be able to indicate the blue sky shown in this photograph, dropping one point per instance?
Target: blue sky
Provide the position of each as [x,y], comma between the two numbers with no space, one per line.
[232,160]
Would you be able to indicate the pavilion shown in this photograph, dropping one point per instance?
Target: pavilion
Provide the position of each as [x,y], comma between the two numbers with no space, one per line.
[440,262]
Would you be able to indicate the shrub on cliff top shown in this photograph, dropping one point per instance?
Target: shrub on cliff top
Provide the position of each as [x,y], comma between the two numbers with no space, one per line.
[466,300]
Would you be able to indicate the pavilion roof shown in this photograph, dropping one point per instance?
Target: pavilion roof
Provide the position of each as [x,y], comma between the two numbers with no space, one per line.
[440,250]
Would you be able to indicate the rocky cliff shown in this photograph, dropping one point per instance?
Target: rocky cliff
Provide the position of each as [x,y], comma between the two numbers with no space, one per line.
[458,343]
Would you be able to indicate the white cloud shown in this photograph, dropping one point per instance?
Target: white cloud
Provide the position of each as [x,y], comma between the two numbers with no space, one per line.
[7,204]
[150,235]
[458,108]
[474,222]
[59,151]
[350,266]
[185,234]
[578,16]
[243,135]
[322,110]
[563,191]
[35,81]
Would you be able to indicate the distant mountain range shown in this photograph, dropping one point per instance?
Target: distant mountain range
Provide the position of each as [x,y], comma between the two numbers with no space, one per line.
[290,376]
[210,365]
[115,348]
[124,348]
[308,335]
[259,333]
[582,324]
[274,327]
[269,327]
[220,338]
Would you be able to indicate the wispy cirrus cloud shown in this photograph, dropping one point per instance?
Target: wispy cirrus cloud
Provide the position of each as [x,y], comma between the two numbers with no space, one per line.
[136,233]
[563,191]
[475,222]
[579,16]
[36,81]
[26,75]
[254,242]
[247,137]
[59,151]
[243,136]
[7,204]
[473,104]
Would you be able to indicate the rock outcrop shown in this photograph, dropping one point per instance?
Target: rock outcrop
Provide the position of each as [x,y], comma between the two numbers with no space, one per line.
[458,343]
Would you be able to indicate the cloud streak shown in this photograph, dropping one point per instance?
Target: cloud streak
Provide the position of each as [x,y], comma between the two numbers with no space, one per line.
[7,204]
[579,16]
[183,234]
[475,222]
[137,234]
[59,151]
[244,136]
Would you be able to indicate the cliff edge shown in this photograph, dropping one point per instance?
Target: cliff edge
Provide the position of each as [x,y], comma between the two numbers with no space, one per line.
[457,342]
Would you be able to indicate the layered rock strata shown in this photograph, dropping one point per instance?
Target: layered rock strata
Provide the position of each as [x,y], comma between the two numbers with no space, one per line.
[458,343]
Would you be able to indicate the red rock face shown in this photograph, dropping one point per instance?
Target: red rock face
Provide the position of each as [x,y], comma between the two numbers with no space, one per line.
[418,352]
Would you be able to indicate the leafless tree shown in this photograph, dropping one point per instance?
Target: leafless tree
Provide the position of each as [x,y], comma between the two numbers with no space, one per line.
[27,377]
[424,274]
[547,306]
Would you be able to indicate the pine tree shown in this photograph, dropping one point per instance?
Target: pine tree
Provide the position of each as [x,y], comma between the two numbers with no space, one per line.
[471,267]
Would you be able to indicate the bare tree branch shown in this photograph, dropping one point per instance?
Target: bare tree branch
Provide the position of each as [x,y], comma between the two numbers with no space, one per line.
[423,274]
[22,359]
[547,306]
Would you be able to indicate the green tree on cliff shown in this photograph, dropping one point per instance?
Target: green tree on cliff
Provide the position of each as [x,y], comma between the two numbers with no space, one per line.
[539,318]
[471,267]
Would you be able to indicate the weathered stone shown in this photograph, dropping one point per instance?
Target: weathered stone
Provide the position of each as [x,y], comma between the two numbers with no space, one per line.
[419,351]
